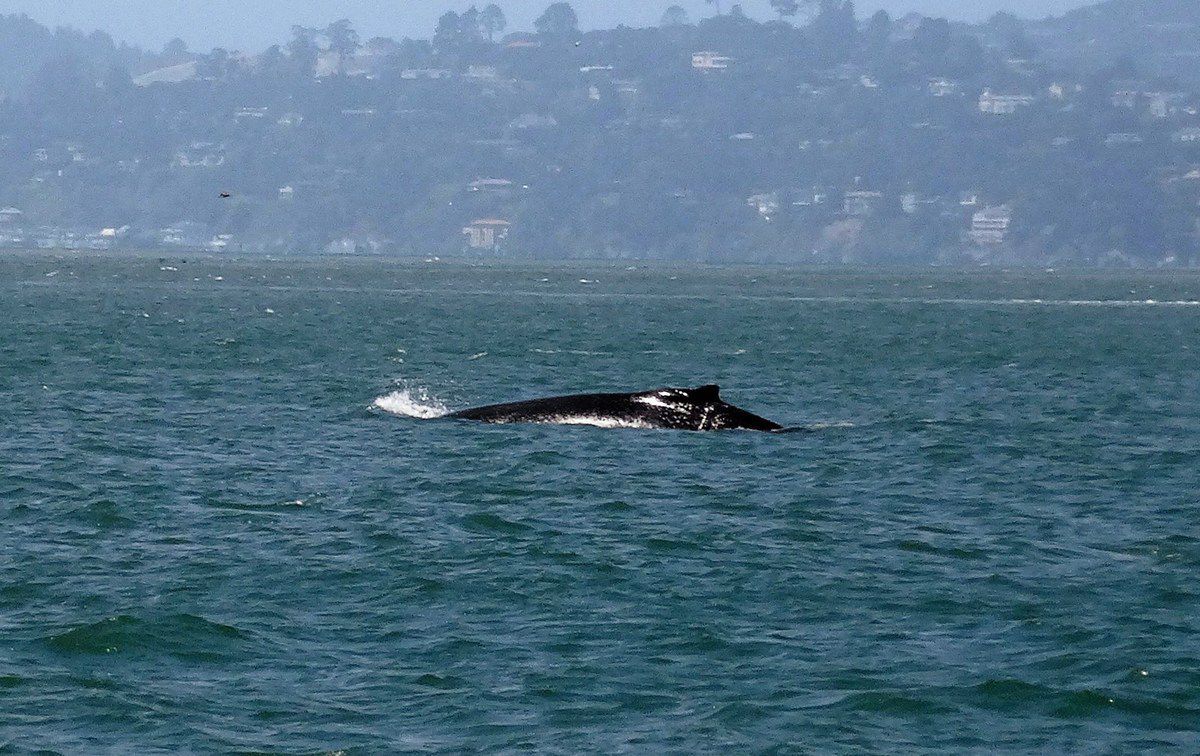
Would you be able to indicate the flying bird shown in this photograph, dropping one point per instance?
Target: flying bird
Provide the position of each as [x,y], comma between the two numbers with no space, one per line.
[225,195]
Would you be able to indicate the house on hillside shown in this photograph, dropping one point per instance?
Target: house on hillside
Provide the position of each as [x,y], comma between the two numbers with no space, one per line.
[250,115]
[184,235]
[912,203]
[491,185]
[487,73]
[991,225]
[486,234]
[1165,104]
[767,204]
[860,204]
[176,74]
[1003,104]
[411,74]
[810,198]
[532,121]
[1126,99]
[522,41]
[944,87]
[1123,139]
[1190,135]
[357,243]
[706,60]
[200,155]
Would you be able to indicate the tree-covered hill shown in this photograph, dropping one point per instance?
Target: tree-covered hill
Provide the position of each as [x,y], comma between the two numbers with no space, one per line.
[816,138]
[1163,36]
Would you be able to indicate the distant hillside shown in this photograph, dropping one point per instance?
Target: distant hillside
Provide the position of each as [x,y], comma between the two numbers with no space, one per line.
[1147,11]
[1163,36]
[26,47]
[831,140]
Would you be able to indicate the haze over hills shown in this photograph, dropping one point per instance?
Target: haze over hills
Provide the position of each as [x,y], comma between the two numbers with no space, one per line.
[1160,34]
[253,26]
[839,139]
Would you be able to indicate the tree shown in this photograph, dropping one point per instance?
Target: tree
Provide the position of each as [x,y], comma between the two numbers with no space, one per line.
[343,41]
[877,37]
[415,53]
[448,36]
[835,28]
[559,22]
[492,20]
[931,40]
[382,46]
[273,61]
[716,3]
[879,29]
[176,49]
[117,82]
[785,7]
[469,24]
[303,49]
[675,16]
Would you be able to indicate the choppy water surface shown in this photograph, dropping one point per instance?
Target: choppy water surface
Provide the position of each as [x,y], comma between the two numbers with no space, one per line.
[221,529]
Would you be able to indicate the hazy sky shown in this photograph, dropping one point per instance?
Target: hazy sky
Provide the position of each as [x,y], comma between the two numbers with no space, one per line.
[254,24]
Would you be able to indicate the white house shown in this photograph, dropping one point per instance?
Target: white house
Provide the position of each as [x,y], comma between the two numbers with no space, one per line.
[250,115]
[706,60]
[486,234]
[943,87]
[200,155]
[998,104]
[490,185]
[1190,135]
[858,204]
[991,225]
[176,74]
[1123,138]
[767,204]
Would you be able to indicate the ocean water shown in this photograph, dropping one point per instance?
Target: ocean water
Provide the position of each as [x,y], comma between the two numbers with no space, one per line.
[230,519]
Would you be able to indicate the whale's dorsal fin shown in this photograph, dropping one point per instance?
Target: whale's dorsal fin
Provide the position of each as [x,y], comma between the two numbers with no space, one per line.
[706,394]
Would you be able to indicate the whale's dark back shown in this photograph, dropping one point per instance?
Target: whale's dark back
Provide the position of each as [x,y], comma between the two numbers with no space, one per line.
[698,409]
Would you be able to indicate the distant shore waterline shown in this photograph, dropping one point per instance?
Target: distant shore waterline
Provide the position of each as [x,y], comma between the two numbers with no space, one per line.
[648,263]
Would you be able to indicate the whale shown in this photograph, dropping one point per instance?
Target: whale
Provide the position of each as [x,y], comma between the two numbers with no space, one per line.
[690,409]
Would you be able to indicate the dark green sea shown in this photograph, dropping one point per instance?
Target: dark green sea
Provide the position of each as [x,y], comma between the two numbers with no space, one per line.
[221,529]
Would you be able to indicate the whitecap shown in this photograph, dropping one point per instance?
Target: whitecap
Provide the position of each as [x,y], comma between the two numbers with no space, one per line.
[411,403]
